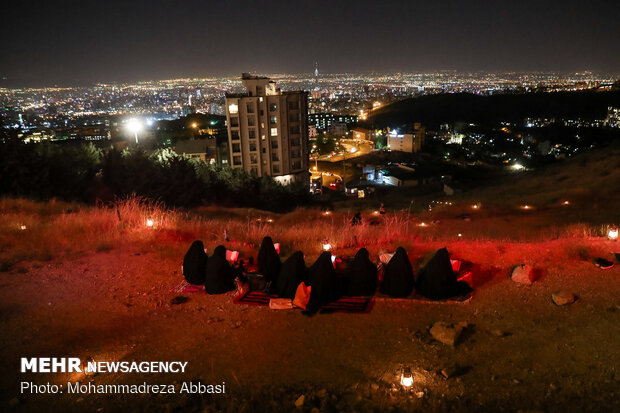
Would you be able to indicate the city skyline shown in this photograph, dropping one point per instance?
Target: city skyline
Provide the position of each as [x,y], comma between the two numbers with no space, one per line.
[115,42]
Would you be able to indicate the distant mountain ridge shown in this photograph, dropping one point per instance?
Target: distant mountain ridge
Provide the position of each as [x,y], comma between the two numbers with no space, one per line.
[433,110]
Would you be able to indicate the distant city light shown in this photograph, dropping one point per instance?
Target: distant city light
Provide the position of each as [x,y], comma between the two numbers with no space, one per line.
[518,167]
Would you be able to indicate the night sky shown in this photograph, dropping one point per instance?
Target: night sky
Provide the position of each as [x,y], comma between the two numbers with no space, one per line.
[77,42]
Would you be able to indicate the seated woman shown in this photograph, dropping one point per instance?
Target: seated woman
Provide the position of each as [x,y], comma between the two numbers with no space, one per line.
[437,280]
[220,276]
[292,273]
[268,260]
[195,263]
[325,283]
[398,278]
[361,275]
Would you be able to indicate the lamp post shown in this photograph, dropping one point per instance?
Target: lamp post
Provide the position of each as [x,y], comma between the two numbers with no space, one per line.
[134,126]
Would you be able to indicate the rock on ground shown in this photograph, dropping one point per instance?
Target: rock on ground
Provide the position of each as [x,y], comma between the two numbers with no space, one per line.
[448,334]
[523,274]
[563,298]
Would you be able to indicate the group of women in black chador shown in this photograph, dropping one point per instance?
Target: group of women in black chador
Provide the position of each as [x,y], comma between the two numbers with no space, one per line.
[328,282]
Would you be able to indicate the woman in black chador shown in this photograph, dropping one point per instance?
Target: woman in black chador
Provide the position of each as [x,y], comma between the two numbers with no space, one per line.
[292,273]
[437,280]
[326,286]
[220,276]
[268,261]
[398,275]
[361,275]
[195,263]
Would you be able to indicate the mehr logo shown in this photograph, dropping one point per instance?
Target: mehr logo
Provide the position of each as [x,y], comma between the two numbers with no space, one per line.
[74,364]
[51,365]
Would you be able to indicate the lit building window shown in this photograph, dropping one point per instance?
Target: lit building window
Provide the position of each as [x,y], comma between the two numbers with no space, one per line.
[273,107]
[233,108]
[274,131]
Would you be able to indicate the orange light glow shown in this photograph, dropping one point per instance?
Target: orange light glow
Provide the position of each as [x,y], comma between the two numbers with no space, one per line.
[150,223]
[612,234]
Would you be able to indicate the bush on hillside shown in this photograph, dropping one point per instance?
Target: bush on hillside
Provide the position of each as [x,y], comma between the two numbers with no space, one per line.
[85,173]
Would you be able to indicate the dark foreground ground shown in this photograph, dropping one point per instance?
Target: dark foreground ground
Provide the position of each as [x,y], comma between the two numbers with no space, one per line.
[520,352]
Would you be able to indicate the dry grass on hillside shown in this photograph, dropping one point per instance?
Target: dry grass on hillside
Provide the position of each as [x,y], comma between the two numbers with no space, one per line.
[38,232]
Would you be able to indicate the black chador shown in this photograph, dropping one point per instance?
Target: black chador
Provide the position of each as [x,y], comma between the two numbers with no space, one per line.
[268,260]
[195,263]
[292,273]
[361,275]
[325,283]
[220,276]
[437,280]
[398,276]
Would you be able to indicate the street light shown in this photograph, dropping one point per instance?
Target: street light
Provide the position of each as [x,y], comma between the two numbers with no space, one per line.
[134,126]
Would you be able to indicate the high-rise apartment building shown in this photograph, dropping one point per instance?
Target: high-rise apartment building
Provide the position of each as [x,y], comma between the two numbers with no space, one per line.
[268,130]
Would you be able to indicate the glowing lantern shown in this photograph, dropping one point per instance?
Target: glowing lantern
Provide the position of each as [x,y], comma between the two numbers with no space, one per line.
[612,234]
[22,227]
[326,213]
[422,224]
[526,207]
[269,220]
[460,235]
[326,245]
[232,256]
[406,377]
[149,223]
[566,203]
[375,212]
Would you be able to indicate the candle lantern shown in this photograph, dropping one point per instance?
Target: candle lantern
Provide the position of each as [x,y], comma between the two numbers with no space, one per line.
[326,245]
[406,377]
